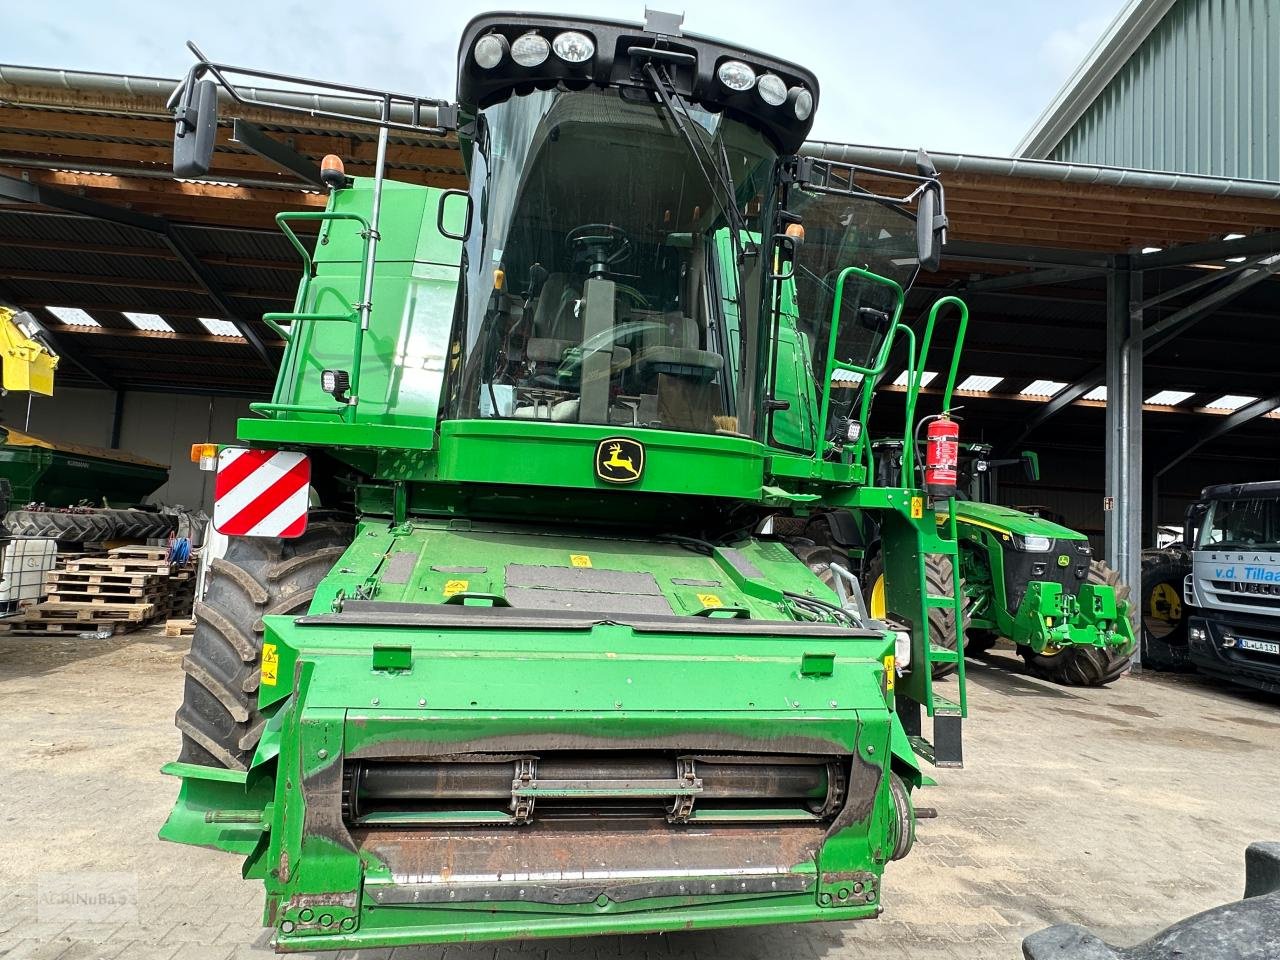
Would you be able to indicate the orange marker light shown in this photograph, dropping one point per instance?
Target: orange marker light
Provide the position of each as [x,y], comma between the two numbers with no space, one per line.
[795,231]
[332,172]
[203,451]
[499,278]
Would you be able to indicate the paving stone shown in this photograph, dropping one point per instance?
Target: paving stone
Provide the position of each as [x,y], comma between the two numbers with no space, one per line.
[1122,809]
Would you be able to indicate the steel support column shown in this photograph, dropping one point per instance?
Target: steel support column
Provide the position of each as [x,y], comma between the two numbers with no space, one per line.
[1123,521]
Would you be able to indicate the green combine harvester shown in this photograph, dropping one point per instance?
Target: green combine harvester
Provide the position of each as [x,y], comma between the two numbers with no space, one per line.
[536,667]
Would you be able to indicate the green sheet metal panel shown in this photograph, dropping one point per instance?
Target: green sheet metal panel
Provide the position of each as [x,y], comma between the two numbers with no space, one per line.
[1200,95]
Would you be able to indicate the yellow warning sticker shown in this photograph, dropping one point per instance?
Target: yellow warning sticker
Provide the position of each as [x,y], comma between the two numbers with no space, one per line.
[890,672]
[579,560]
[455,586]
[917,508]
[270,664]
[709,600]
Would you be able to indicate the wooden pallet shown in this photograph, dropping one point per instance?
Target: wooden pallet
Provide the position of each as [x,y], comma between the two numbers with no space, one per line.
[140,552]
[43,628]
[145,578]
[69,610]
[110,564]
[179,628]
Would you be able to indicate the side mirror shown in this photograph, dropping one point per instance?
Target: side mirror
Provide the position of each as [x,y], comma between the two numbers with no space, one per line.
[195,129]
[1031,464]
[931,226]
[1191,524]
[877,321]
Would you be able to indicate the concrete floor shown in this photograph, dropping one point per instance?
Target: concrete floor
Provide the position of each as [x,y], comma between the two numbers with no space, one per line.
[1123,809]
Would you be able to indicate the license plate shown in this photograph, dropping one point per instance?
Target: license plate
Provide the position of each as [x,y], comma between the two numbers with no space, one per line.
[1260,646]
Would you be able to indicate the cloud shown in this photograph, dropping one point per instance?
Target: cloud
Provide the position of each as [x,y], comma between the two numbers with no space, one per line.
[1065,49]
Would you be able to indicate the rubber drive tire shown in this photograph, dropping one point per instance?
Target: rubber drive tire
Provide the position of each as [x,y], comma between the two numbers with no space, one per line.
[1164,622]
[1082,666]
[938,581]
[219,718]
[93,526]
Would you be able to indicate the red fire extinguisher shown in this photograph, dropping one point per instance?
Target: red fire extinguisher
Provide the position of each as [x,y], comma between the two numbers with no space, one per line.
[942,451]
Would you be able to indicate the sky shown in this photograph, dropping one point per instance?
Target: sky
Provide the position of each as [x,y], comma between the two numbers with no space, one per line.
[964,76]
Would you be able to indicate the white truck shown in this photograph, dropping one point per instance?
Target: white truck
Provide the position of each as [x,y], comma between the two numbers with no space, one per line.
[1232,593]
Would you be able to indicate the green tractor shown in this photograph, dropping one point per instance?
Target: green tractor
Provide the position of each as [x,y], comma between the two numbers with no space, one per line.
[1027,578]
[536,666]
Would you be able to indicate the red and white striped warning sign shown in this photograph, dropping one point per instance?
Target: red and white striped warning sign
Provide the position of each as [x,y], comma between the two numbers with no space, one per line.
[261,493]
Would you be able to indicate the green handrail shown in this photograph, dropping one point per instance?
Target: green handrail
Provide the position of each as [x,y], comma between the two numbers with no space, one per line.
[833,364]
[955,350]
[272,320]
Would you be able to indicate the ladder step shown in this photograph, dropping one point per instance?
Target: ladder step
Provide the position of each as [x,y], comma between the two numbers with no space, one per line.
[939,654]
[948,708]
[936,601]
[922,748]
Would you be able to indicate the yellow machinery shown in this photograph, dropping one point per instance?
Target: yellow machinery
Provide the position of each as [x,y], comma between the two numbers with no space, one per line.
[29,362]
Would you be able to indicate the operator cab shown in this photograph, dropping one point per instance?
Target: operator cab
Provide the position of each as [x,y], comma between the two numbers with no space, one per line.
[602,176]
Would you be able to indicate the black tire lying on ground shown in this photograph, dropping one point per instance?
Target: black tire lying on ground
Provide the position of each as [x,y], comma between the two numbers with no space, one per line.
[219,717]
[90,526]
[1081,666]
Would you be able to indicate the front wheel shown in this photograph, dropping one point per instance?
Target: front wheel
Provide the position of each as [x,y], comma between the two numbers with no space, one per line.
[219,717]
[1086,665]
[938,583]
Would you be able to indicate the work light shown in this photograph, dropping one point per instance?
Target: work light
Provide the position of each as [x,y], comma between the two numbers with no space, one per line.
[736,75]
[530,50]
[801,102]
[336,383]
[489,50]
[573,47]
[772,90]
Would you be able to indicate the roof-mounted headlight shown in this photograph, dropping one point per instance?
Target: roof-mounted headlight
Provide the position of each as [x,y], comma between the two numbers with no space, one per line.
[801,102]
[772,89]
[573,47]
[489,50]
[736,75]
[530,50]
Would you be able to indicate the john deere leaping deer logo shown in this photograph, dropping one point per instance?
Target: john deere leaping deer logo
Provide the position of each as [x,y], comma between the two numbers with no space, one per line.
[619,460]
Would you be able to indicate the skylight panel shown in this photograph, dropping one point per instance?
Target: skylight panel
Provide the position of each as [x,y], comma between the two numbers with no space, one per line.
[149,321]
[1097,393]
[219,328]
[979,384]
[73,316]
[1041,388]
[1169,398]
[925,378]
[1229,401]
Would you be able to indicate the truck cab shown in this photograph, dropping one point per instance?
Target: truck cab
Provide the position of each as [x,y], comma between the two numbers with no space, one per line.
[1233,589]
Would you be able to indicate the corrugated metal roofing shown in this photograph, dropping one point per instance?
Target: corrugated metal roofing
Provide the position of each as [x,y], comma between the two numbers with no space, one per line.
[1201,94]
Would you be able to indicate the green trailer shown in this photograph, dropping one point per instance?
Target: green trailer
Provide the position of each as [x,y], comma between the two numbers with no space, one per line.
[75,493]
[536,667]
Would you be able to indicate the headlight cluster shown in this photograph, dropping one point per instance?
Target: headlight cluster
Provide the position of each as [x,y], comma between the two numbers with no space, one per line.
[740,77]
[532,49]
[1032,543]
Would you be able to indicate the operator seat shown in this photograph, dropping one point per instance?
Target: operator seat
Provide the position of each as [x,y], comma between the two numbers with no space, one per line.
[671,347]
[555,328]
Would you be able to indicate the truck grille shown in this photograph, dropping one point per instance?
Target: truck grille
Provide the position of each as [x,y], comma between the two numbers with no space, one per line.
[1264,596]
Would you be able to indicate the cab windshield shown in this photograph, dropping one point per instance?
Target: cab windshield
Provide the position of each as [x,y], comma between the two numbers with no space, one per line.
[1252,524]
[588,297]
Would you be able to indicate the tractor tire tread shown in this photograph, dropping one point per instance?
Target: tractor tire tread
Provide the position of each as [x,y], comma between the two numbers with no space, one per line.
[1089,666]
[219,717]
